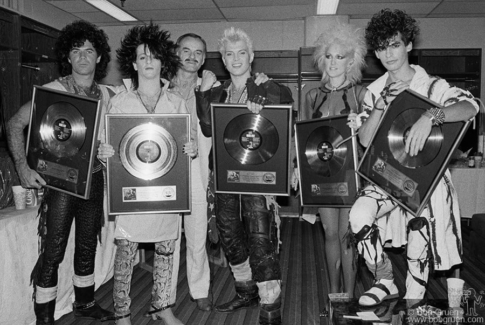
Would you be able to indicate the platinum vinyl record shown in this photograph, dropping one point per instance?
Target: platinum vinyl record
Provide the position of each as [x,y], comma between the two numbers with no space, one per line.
[321,152]
[62,130]
[251,139]
[398,133]
[148,151]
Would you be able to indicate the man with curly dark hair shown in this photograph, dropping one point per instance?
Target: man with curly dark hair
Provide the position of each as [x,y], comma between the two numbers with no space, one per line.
[83,53]
[435,235]
[146,55]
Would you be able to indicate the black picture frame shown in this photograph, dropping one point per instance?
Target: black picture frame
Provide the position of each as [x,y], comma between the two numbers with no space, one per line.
[62,139]
[327,179]
[130,193]
[265,170]
[409,181]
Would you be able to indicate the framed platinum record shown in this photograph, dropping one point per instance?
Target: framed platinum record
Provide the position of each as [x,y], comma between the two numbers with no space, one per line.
[251,151]
[149,173]
[409,180]
[62,139]
[326,151]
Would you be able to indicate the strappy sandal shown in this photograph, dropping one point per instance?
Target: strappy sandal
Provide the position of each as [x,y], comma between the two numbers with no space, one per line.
[152,313]
[378,293]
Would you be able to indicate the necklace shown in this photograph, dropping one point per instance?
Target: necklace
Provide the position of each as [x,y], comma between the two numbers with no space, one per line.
[237,93]
[149,108]
[332,88]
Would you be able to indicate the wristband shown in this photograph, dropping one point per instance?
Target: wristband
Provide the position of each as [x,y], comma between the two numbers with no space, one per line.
[436,115]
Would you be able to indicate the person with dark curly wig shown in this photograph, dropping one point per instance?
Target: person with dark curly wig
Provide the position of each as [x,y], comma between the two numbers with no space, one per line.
[340,57]
[83,53]
[435,235]
[147,56]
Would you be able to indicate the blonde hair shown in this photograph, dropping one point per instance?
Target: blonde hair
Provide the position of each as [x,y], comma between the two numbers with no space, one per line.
[232,35]
[349,37]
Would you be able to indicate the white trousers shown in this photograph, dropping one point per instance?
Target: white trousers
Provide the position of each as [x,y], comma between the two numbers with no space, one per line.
[195,226]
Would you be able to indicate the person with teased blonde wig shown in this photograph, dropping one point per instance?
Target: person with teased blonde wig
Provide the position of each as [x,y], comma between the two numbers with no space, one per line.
[340,57]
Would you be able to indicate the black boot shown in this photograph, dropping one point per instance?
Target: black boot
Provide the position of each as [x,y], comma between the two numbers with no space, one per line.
[246,297]
[44,313]
[86,307]
[270,314]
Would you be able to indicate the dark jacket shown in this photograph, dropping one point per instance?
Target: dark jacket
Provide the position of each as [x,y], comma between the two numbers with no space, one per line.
[272,91]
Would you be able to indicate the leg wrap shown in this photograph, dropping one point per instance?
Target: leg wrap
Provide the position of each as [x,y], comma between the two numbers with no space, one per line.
[123,271]
[231,231]
[242,272]
[262,231]
[418,258]
[370,246]
[162,274]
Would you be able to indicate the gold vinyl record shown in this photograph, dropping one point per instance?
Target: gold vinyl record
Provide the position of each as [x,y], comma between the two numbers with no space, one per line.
[398,134]
[251,139]
[148,151]
[62,130]
[322,154]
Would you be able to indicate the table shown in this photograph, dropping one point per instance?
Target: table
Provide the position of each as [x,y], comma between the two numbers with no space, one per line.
[470,187]
[18,255]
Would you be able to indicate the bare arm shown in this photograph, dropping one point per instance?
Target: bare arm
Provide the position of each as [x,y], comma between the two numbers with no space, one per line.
[16,142]
[459,111]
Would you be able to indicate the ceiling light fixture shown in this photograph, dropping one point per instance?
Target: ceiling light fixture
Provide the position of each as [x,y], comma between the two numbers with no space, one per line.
[327,7]
[112,10]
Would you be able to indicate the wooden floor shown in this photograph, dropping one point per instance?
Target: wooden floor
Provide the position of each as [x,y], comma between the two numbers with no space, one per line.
[305,284]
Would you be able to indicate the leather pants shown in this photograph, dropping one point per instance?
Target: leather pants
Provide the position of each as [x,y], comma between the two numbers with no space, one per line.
[60,209]
[254,235]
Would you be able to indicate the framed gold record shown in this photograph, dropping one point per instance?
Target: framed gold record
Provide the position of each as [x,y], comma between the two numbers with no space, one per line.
[149,173]
[326,150]
[62,139]
[409,180]
[251,151]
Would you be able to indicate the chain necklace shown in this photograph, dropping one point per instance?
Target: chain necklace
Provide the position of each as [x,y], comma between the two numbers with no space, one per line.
[235,92]
[148,108]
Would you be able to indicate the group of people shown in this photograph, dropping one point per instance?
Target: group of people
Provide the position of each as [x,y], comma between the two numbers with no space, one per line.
[163,78]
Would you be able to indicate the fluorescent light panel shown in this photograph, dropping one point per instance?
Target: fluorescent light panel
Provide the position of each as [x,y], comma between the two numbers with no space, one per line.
[327,7]
[111,10]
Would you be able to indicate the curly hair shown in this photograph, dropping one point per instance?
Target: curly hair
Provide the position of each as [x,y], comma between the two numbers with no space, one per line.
[232,35]
[386,24]
[351,39]
[75,35]
[160,46]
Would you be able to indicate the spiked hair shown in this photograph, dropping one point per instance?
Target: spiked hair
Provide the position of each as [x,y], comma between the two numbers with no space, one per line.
[160,46]
[232,35]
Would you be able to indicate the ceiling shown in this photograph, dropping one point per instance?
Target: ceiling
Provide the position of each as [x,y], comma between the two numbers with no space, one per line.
[193,11]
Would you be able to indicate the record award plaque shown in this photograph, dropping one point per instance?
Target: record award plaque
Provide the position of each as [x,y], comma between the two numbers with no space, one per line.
[149,173]
[327,159]
[409,180]
[251,151]
[62,139]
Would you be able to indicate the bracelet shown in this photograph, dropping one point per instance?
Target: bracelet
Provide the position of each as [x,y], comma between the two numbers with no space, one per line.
[380,109]
[436,115]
